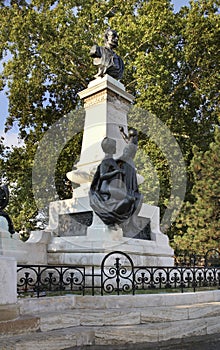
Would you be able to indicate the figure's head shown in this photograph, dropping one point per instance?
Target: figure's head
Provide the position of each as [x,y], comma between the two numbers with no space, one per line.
[111,38]
[132,132]
[108,145]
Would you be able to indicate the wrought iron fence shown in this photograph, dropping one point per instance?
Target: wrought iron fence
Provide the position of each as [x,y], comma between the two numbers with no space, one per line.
[116,275]
[210,258]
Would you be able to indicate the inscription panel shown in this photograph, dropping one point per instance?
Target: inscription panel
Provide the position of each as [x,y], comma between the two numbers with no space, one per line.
[74,224]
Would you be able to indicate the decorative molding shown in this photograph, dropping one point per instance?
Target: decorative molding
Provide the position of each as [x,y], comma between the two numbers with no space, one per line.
[105,95]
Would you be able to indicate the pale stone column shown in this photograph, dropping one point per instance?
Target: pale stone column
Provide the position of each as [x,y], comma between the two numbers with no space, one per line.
[8,288]
[106,104]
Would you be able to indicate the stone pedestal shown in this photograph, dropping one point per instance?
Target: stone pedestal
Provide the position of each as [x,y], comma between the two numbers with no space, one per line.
[91,248]
[106,103]
[8,289]
[79,236]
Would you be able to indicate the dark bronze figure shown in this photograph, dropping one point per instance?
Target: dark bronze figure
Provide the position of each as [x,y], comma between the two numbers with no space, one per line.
[114,194]
[132,136]
[106,59]
[4,199]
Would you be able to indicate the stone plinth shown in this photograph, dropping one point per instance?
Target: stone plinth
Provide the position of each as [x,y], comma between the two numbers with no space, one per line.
[8,287]
[106,103]
[100,240]
[8,278]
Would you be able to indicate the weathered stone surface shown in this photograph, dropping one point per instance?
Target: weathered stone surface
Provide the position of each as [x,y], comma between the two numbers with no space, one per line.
[181,329]
[115,321]
[58,320]
[146,300]
[163,314]
[126,334]
[53,340]
[111,318]
[204,310]
[96,318]
[8,278]
[213,325]
[9,312]
[46,304]
[20,325]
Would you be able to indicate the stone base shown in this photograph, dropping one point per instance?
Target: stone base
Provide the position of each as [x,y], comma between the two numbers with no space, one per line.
[21,325]
[76,251]
[99,240]
[8,278]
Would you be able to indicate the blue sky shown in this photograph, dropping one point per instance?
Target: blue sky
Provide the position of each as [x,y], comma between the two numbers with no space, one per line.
[11,137]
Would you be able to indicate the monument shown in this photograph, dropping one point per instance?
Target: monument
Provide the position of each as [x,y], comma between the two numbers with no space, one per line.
[106,212]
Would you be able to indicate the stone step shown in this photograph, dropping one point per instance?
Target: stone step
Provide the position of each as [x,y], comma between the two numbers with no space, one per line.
[126,317]
[58,304]
[20,325]
[51,340]
[145,300]
[65,322]
[112,335]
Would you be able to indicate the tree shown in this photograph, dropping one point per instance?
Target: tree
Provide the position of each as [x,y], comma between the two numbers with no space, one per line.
[199,228]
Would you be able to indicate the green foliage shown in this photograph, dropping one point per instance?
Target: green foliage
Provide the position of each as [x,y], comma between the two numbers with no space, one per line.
[199,228]
[172,68]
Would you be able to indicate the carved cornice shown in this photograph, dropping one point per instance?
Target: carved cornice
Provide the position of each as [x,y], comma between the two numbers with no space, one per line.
[104,95]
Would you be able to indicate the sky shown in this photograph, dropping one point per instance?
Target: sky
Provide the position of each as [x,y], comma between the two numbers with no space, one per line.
[11,136]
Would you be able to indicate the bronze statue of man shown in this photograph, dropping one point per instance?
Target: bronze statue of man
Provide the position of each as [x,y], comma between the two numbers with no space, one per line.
[106,59]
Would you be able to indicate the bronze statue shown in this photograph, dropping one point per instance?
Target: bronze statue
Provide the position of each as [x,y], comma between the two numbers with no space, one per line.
[4,199]
[132,136]
[106,59]
[114,194]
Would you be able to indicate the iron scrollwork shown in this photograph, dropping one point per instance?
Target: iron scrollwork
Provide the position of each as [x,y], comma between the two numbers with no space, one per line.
[117,275]
[118,278]
[42,280]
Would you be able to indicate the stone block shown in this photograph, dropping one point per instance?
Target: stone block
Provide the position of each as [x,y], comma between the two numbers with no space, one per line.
[204,310]
[46,304]
[12,247]
[181,329]
[126,335]
[24,324]
[52,340]
[9,312]
[58,320]
[8,278]
[163,314]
